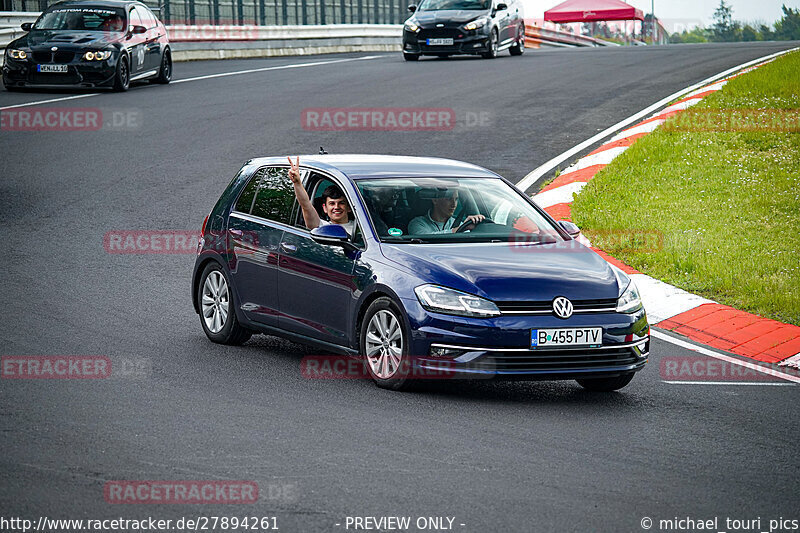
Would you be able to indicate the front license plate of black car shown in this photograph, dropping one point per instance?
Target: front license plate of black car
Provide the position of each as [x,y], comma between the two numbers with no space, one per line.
[545,338]
[52,68]
[439,42]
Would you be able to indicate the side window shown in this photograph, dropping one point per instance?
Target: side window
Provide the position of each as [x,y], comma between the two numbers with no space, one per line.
[148,18]
[135,19]
[275,195]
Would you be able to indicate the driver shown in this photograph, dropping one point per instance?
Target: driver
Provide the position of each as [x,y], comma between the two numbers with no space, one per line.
[440,219]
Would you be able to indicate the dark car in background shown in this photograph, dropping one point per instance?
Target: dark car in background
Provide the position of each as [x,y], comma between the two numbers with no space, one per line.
[447,27]
[92,44]
[514,296]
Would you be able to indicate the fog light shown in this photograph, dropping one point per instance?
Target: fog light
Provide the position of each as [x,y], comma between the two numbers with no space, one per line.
[441,351]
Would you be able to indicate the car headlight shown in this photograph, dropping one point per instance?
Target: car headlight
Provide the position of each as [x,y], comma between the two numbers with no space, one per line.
[475,24]
[630,301]
[100,55]
[18,54]
[411,26]
[453,302]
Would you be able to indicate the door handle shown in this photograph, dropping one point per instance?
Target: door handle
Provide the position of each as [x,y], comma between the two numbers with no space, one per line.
[236,232]
[288,248]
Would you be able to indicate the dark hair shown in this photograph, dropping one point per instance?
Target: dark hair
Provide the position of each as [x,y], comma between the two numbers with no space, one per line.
[333,192]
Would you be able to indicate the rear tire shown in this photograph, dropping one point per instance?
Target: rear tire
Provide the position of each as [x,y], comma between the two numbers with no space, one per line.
[122,79]
[165,71]
[217,308]
[410,57]
[605,384]
[383,339]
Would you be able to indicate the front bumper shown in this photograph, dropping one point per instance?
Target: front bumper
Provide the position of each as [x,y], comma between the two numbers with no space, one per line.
[475,42]
[79,74]
[500,347]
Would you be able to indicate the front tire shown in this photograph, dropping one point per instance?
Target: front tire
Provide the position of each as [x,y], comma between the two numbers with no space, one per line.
[384,345]
[122,79]
[519,47]
[410,57]
[605,384]
[165,71]
[217,312]
[492,52]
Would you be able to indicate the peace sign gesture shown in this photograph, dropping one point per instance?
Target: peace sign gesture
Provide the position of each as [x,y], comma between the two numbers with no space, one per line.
[294,170]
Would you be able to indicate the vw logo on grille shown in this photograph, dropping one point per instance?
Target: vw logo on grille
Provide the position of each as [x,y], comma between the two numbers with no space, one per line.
[562,307]
[440,25]
[53,49]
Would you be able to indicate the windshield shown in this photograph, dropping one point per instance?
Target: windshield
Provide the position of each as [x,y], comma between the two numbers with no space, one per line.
[435,210]
[437,5]
[82,19]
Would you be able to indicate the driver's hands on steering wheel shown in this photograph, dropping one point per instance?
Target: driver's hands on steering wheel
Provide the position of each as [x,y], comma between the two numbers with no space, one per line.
[469,223]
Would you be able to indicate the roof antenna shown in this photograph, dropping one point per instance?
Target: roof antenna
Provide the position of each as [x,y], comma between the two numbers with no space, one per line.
[322,151]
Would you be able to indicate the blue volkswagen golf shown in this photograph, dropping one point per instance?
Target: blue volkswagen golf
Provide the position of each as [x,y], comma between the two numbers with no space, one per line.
[447,269]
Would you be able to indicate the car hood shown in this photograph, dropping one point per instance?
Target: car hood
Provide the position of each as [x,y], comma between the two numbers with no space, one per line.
[509,272]
[68,39]
[457,16]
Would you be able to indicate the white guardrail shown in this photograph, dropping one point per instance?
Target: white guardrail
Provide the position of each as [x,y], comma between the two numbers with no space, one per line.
[229,41]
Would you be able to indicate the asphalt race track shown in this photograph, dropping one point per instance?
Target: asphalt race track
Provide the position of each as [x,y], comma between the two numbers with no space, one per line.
[516,456]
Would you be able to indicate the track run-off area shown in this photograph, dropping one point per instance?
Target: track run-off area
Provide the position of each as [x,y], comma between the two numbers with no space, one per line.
[509,456]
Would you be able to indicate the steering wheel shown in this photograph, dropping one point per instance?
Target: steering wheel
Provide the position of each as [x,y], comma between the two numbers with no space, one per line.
[463,227]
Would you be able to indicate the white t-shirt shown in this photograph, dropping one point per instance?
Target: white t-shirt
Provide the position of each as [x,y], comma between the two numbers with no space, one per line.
[349,226]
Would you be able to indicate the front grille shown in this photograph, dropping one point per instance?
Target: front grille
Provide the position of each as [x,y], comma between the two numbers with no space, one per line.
[50,57]
[47,78]
[543,307]
[567,360]
[63,57]
[439,33]
[42,57]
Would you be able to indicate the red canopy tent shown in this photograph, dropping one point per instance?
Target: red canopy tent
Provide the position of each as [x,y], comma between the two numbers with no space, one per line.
[591,11]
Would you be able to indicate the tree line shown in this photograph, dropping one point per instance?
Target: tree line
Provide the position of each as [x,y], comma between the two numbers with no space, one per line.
[726,29]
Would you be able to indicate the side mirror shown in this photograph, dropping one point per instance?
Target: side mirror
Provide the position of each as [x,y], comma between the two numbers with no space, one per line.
[412,8]
[138,29]
[569,227]
[501,7]
[27,26]
[332,235]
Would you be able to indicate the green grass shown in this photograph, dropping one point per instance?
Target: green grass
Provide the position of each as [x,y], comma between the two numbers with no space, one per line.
[726,202]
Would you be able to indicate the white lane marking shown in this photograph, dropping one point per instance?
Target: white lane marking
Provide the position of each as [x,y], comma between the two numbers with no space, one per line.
[206,77]
[780,384]
[601,158]
[679,106]
[723,357]
[540,171]
[662,300]
[278,67]
[559,195]
[792,362]
[50,101]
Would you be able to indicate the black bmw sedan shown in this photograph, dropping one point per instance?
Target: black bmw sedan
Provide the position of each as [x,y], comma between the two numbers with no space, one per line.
[447,27]
[85,43]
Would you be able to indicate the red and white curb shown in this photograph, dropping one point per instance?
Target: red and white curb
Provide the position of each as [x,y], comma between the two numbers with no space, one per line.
[668,307]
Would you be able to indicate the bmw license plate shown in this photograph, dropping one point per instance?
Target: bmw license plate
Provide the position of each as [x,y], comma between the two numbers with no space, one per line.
[543,338]
[52,68]
[439,42]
